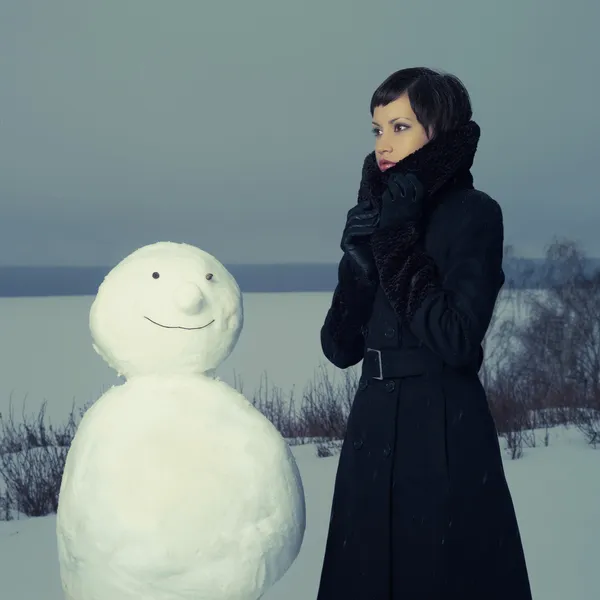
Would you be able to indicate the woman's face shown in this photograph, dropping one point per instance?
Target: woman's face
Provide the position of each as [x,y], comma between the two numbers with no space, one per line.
[397,132]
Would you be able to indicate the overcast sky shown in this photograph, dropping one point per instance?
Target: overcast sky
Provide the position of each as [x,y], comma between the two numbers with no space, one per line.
[241,126]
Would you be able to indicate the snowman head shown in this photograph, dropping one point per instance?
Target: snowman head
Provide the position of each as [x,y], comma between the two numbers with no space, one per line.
[167,308]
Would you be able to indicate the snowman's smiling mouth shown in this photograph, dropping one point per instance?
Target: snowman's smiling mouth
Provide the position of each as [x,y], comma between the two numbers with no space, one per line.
[177,326]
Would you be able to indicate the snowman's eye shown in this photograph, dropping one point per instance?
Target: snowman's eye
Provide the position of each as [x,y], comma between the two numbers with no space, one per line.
[209,276]
[155,275]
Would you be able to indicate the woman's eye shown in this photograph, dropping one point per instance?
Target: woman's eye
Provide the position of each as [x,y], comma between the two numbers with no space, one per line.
[398,127]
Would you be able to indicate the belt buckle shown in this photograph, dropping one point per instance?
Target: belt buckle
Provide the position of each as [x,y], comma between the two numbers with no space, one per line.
[380,377]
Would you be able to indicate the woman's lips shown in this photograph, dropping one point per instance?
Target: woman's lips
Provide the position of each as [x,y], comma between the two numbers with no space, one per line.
[384,165]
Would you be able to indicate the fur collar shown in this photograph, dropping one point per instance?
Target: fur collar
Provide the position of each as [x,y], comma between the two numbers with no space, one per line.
[443,163]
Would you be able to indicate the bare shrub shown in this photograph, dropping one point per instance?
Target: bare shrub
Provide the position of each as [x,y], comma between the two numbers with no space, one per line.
[326,404]
[544,370]
[588,422]
[507,396]
[322,411]
[32,459]
[272,402]
[560,344]
[328,448]
[500,373]
[5,507]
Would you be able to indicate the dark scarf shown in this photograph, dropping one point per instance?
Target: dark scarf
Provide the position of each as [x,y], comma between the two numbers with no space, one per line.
[405,270]
[443,163]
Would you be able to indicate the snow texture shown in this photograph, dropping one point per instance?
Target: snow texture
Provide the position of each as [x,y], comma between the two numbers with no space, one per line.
[175,486]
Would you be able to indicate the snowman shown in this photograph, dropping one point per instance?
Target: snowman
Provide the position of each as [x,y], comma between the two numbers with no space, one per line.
[175,487]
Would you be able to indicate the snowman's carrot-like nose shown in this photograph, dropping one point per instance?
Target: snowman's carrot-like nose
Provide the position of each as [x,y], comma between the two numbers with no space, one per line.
[189,298]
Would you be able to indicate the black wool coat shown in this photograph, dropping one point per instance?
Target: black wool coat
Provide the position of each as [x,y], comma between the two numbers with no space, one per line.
[421,507]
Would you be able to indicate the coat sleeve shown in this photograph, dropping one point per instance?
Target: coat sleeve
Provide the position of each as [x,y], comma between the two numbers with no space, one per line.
[342,338]
[450,310]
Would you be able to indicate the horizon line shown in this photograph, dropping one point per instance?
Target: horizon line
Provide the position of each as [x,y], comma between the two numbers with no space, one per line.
[237,264]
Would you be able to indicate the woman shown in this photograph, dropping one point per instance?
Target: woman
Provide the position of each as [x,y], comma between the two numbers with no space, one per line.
[421,508]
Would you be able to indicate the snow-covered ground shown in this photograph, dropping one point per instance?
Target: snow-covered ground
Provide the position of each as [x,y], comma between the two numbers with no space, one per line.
[46,353]
[556,491]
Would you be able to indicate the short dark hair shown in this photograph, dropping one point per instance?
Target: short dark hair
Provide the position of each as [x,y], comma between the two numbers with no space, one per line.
[439,100]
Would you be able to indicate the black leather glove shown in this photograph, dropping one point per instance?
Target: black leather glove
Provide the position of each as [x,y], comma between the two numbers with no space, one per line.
[361,222]
[402,200]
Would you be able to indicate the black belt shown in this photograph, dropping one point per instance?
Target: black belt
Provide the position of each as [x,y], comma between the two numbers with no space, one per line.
[397,364]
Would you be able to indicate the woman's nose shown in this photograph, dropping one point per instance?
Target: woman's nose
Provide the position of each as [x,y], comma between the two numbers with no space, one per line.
[383,147]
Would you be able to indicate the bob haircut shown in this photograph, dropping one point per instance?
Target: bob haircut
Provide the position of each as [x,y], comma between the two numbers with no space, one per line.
[440,101]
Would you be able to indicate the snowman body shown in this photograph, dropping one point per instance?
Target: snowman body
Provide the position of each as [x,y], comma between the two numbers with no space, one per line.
[175,487]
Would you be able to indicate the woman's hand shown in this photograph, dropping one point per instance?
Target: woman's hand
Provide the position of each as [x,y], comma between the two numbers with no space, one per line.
[361,222]
[402,201]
